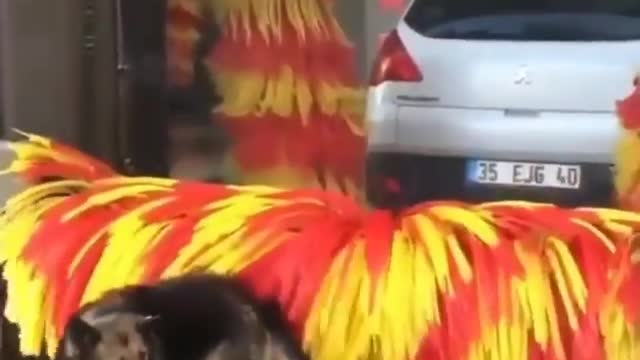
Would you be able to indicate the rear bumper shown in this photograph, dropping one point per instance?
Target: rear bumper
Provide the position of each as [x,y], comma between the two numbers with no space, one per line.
[421,178]
[458,132]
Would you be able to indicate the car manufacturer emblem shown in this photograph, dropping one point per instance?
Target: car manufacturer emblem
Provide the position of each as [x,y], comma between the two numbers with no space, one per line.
[523,76]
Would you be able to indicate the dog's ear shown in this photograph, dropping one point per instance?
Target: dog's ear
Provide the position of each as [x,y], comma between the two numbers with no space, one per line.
[80,337]
[148,325]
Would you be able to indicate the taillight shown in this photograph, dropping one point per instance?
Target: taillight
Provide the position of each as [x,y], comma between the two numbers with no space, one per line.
[393,63]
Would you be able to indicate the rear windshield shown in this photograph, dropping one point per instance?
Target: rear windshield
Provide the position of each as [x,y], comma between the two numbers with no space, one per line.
[527,20]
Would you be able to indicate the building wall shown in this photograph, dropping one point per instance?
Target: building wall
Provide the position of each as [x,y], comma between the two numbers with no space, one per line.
[349,14]
[58,71]
[40,65]
[365,21]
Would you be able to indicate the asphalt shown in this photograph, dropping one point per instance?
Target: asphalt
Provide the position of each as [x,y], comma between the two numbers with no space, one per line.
[8,184]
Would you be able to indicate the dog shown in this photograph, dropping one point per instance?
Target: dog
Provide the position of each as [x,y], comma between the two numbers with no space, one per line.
[194,317]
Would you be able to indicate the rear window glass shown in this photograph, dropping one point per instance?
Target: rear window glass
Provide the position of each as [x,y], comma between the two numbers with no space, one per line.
[527,20]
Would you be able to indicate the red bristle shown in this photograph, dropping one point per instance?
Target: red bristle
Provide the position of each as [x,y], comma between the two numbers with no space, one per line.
[165,250]
[76,285]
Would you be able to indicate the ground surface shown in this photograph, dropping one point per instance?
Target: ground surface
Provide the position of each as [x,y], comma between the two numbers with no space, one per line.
[8,184]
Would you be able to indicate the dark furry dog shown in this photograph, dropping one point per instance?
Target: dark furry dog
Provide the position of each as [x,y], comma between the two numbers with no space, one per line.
[195,317]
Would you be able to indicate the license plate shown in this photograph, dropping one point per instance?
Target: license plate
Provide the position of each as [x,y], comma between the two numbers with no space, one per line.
[524,174]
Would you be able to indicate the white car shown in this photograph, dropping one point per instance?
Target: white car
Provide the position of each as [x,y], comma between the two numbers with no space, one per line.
[473,102]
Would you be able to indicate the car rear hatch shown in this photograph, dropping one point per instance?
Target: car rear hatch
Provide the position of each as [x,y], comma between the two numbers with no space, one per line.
[507,57]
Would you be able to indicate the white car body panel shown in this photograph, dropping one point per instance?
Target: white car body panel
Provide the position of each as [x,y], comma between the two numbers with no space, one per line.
[511,100]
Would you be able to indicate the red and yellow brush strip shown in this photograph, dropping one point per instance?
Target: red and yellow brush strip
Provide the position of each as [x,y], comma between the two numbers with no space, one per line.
[443,280]
[284,58]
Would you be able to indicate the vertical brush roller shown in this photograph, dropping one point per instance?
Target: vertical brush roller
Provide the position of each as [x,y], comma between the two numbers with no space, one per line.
[286,73]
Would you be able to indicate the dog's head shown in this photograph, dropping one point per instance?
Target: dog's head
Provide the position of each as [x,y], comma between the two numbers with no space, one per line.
[117,336]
